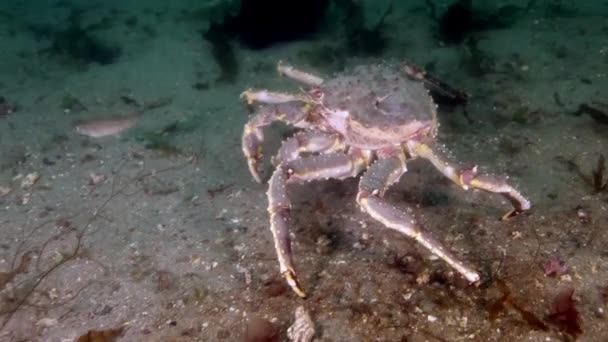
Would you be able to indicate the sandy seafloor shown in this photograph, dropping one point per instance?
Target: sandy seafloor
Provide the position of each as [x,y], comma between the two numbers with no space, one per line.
[176,246]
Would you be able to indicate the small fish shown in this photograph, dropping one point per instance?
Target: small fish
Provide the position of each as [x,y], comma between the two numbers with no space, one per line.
[97,128]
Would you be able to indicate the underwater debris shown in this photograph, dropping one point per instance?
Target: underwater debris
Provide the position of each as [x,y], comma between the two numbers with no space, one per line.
[597,179]
[218,189]
[130,100]
[155,187]
[107,335]
[557,99]
[595,111]
[4,190]
[406,264]
[500,306]
[260,330]
[6,108]
[165,280]
[583,215]
[564,314]
[598,175]
[29,180]
[555,267]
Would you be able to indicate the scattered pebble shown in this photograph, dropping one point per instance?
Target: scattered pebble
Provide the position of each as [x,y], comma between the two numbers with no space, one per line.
[303,329]
[4,190]
[96,178]
[260,330]
[29,180]
[555,267]
[46,322]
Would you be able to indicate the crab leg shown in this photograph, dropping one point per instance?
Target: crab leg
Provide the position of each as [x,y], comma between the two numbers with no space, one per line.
[333,165]
[468,177]
[298,75]
[269,97]
[307,142]
[293,113]
[435,84]
[371,190]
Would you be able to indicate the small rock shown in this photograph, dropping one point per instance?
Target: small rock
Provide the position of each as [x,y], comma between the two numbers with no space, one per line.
[46,322]
[164,280]
[303,329]
[96,178]
[260,330]
[4,190]
[29,180]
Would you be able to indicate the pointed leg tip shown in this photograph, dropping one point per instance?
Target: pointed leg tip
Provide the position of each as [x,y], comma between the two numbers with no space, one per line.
[511,215]
[256,176]
[253,169]
[293,282]
[300,293]
[473,277]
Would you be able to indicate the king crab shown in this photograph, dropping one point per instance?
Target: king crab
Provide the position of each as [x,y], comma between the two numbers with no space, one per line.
[375,118]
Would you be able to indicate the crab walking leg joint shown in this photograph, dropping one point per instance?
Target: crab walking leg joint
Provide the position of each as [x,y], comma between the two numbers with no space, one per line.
[468,178]
[293,113]
[371,190]
[307,142]
[332,165]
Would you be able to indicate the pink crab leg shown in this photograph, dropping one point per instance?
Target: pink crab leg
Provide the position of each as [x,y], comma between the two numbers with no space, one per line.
[293,113]
[310,141]
[371,190]
[468,177]
[333,165]
[298,75]
[269,97]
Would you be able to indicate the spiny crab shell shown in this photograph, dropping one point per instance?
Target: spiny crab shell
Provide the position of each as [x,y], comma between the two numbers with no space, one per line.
[377,106]
[369,122]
